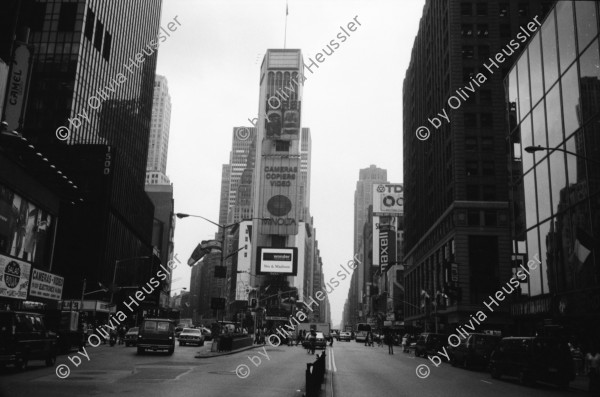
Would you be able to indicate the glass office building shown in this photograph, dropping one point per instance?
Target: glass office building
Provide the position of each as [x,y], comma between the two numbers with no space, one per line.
[553,92]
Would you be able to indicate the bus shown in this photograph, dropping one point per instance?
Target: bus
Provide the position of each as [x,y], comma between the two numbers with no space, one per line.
[361,330]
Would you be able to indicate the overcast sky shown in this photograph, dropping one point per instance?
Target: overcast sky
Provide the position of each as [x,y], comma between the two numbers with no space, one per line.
[352,104]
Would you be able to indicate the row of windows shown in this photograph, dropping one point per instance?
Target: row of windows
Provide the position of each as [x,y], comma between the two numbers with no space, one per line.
[481,9]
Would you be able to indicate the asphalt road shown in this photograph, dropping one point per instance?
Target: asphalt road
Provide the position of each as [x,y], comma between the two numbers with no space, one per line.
[355,370]
[371,371]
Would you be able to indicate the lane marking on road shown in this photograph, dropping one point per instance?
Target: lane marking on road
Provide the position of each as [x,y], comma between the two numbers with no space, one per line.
[486,381]
[333,361]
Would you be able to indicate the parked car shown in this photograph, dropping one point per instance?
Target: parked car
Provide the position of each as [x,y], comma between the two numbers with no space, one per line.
[156,334]
[191,336]
[24,337]
[473,351]
[131,336]
[533,359]
[344,336]
[429,344]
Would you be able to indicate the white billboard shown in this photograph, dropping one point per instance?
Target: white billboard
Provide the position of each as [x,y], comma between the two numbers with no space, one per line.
[244,262]
[278,260]
[46,285]
[388,198]
[14,278]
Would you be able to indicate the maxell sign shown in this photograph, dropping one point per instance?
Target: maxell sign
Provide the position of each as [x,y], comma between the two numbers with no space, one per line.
[387,246]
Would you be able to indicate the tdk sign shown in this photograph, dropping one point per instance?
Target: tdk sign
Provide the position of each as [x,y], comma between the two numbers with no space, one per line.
[390,188]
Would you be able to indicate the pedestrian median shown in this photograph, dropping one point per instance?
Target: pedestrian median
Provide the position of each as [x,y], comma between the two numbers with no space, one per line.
[223,347]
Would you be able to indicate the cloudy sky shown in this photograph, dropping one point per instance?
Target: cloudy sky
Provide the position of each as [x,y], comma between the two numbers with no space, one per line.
[352,104]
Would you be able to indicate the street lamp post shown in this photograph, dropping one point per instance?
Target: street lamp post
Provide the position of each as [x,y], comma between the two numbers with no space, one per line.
[223,229]
[533,149]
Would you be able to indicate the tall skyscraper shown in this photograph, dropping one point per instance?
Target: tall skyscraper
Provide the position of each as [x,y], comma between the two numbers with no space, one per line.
[456,198]
[156,168]
[363,198]
[90,101]
[241,156]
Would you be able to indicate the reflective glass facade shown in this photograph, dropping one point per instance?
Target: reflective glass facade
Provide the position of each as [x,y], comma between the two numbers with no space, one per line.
[553,94]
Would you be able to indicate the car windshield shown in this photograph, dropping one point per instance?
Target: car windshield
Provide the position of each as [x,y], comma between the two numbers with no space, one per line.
[156,326]
[133,330]
[191,331]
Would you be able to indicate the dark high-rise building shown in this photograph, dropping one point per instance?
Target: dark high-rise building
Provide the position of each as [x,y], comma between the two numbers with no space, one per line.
[553,93]
[363,198]
[457,236]
[90,100]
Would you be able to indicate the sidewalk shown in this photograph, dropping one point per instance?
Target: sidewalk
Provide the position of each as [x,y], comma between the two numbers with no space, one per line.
[209,354]
[581,383]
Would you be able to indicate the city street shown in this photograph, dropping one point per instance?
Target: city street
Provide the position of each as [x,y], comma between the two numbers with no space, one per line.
[357,371]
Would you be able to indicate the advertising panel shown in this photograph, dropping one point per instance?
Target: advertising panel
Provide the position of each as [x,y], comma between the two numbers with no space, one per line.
[25,229]
[243,262]
[16,93]
[279,196]
[380,222]
[14,278]
[277,260]
[283,120]
[46,285]
[387,247]
[388,198]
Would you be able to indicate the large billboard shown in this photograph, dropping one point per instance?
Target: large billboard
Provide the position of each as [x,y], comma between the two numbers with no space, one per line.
[279,196]
[46,285]
[244,262]
[14,278]
[388,198]
[18,81]
[384,251]
[25,229]
[277,260]
[283,120]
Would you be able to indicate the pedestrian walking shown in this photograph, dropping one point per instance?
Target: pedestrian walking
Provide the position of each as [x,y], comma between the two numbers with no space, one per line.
[389,340]
[593,360]
[405,348]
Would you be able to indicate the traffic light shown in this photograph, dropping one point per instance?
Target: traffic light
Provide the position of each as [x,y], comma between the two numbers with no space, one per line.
[253,302]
